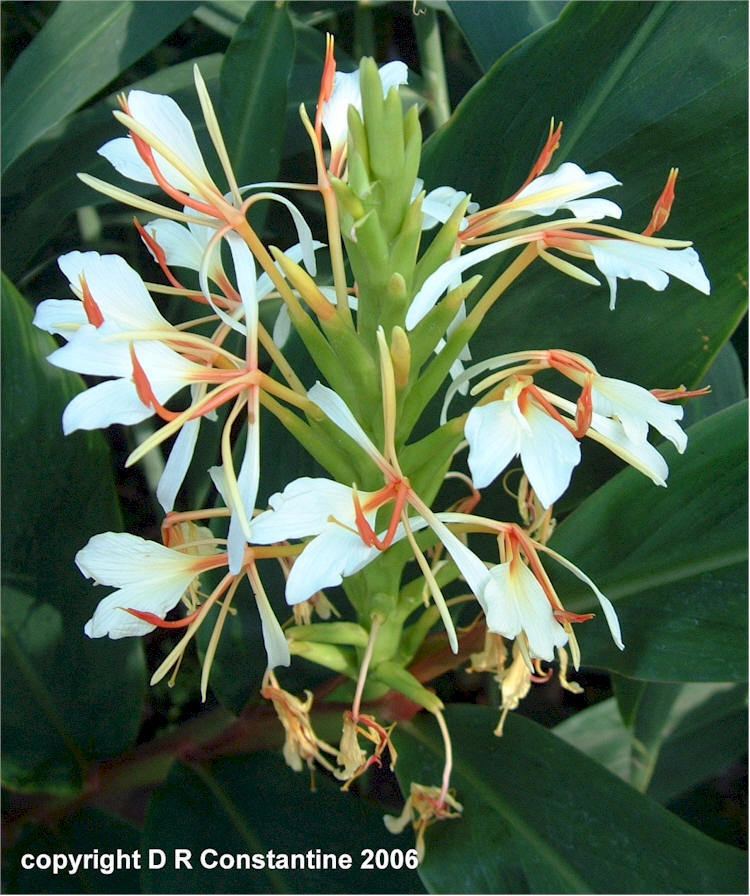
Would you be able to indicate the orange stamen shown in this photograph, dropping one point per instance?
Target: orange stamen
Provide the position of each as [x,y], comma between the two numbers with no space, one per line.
[584,411]
[567,616]
[153,619]
[144,390]
[93,311]
[681,392]
[550,147]
[663,207]
[326,86]
[159,254]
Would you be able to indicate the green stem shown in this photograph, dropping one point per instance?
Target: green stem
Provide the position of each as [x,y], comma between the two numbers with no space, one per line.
[433,66]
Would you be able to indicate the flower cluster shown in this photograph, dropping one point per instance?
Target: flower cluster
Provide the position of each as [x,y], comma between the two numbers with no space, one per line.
[387,336]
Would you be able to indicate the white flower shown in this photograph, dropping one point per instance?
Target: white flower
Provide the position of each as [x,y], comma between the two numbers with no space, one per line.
[439,204]
[516,602]
[118,291]
[563,189]
[161,117]
[117,401]
[650,264]
[326,510]
[500,430]
[636,408]
[148,576]
[347,92]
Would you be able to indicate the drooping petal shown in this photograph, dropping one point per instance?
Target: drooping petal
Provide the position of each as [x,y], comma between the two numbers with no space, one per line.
[247,486]
[639,454]
[123,157]
[549,452]
[494,440]
[182,248]
[111,617]
[177,464]
[516,602]
[636,407]
[274,639]
[115,401]
[335,553]
[620,259]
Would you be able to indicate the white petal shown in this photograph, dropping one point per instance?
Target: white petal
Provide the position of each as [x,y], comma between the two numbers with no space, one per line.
[123,156]
[335,553]
[166,121]
[121,294]
[115,401]
[304,508]
[335,408]
[517,601]
[119,558]
[177,464]
[110,617]
[593,209]
[282,327]
[60,316]
[440,280]
[548,454]
[641,455]
[546,194]
[72,264]
[393,74]
[471,567]
[244,269]
[87,352]
[494,440]
[247,485]
[181,247]
[274,639]
[636,407]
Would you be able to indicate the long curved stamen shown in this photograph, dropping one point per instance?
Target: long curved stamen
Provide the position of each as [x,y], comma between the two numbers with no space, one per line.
[144,390]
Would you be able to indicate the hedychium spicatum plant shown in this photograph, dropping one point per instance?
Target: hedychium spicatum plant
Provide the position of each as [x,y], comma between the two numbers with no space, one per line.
[390,334]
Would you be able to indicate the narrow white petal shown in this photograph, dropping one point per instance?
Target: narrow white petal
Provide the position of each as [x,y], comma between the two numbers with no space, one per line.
[610,613]
[593,209]
[247,485]
[177,464]
[181,247]
[337,411]
[439,281]
[274,639]
[244,269]
[282,327]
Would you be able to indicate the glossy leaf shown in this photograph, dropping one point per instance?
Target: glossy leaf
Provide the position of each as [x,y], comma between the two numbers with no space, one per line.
[635,98]
[254,78]
[78,836]
[82,47]
[542,817]
[67,700]
[702,736]
[253,804]
[491,29]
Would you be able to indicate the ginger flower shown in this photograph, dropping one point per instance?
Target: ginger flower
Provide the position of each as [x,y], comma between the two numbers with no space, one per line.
[423,807]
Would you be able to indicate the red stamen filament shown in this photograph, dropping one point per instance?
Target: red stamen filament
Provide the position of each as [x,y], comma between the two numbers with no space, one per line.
[159,254]
[93,311]
[153,619]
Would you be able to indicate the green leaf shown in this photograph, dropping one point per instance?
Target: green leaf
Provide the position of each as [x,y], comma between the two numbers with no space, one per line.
[46,176]
[254,78]
[77,836]
[67,700]
[541,817]
[79,51]
[727,382]
[670,559]
[253,804]
[640,87]
[704,735]
[492,28]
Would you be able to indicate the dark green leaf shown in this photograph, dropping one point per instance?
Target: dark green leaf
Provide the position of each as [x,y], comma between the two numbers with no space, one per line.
[254,804]
[541,817]
[67,699]
[727,387]
[636,97]
[492,28]
[668,558]
[254,78]
[79,51]
[78,836]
